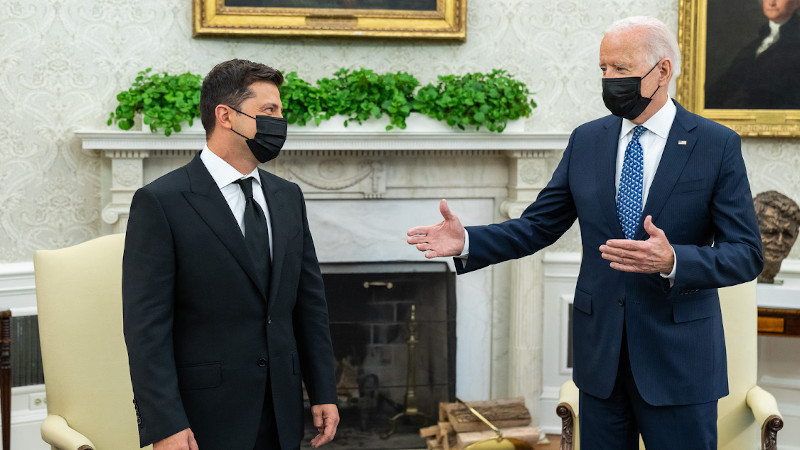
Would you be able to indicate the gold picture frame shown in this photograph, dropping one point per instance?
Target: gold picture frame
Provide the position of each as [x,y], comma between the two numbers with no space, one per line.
[693,37]
[366,19]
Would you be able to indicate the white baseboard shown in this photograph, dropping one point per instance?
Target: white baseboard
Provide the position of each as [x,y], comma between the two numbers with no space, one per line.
[28,410]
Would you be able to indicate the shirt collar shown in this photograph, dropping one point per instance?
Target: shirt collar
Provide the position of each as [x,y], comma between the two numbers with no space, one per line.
[660,123]
[774,26]
[222,172]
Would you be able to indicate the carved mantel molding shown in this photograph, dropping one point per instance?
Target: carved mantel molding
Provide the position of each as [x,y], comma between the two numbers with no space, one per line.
[342,164]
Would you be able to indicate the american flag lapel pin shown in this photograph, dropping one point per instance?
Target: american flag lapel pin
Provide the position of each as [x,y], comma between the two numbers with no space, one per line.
[681,142]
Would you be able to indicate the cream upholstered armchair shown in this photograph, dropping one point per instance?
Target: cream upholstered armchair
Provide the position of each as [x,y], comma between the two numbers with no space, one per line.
[89,395]
[748,416]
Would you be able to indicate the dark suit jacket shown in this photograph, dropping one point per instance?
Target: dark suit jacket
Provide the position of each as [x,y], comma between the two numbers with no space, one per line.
[203,338]
[700,196]
[769,81]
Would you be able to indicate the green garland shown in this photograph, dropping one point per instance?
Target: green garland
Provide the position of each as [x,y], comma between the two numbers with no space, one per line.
[475,99]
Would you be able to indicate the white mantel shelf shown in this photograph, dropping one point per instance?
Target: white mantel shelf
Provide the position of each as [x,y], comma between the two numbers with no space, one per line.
[300,140]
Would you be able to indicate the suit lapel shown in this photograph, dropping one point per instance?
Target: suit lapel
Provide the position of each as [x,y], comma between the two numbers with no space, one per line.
[606,174]
[205,197]
[280,232]
[680,144]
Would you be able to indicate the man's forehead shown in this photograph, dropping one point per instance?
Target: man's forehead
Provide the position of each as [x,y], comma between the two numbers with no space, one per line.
[622,46]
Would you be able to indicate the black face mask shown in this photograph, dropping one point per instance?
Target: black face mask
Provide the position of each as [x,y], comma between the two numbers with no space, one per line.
[623,97]
[269,138]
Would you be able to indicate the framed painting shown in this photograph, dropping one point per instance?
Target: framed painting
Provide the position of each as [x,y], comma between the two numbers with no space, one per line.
[741,60]
[410,19]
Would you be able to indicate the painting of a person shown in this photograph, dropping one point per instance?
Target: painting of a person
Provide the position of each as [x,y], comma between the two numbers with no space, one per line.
[764,73]
[409,5]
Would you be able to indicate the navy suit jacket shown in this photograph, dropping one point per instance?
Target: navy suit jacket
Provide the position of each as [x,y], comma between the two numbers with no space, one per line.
[701,198]
[205,342]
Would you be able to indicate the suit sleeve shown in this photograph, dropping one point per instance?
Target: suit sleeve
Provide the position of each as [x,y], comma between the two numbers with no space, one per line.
[541,224]
[736,254]
[312,330]
[148,271]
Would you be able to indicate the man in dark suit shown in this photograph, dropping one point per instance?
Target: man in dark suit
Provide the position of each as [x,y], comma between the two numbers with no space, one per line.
[224,307]
[764,74]
[666,218]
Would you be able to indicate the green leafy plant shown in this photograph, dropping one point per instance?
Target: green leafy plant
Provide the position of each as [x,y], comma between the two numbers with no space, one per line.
[302,102]
[476,99]
[165,101]
[362,93]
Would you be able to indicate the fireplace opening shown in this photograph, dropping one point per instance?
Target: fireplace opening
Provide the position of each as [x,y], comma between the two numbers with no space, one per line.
[393,332]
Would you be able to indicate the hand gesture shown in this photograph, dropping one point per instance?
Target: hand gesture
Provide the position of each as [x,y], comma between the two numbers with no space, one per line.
[326,419]
[446,238]
[651,256]
[183,440]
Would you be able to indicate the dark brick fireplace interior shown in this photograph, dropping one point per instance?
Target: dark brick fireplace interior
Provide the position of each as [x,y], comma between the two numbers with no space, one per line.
[370,308]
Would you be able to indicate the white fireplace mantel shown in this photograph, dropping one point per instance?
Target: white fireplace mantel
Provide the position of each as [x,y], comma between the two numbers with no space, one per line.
[128,150]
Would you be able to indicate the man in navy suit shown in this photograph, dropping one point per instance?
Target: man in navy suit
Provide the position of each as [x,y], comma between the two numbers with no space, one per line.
[223,303]
[666,218]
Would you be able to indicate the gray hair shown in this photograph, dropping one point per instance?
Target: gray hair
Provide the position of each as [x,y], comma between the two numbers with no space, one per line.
[661,41]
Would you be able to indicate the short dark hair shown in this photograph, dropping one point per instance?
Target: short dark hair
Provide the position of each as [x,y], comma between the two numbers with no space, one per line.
[228,83]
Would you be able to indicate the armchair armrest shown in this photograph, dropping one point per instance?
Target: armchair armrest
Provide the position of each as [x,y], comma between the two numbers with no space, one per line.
[567,409]
[765,410]
[56,432]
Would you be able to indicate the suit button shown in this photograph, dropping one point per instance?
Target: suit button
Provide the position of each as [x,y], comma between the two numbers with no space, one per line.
[621,302]
[262,362]
[269,320]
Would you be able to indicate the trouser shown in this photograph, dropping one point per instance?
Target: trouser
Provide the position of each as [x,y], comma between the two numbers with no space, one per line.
[616,422]
[268,430]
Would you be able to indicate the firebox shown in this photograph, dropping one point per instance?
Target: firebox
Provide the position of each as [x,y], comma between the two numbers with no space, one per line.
[394,340]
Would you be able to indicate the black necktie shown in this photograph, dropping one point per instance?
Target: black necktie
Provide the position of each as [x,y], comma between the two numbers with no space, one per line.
[256,235]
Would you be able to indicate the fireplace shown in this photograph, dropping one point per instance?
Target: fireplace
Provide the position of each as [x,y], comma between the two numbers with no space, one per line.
[363,190]
[372,324]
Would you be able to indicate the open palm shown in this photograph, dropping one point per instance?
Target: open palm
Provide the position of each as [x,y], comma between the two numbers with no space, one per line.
[446,238]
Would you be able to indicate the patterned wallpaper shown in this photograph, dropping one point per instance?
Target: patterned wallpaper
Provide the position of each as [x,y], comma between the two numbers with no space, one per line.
[63,61]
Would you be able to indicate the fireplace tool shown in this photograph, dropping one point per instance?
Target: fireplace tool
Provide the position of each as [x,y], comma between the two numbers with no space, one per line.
[411,409]
[498,443]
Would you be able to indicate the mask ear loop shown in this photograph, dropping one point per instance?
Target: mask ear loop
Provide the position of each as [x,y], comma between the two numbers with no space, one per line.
[248,115]
[645,75]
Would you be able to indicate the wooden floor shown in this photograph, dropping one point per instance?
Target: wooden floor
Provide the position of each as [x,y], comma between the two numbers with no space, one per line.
[555,441]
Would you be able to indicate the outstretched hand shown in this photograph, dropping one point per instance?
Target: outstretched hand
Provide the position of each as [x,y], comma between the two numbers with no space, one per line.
[446,238]
[651,256]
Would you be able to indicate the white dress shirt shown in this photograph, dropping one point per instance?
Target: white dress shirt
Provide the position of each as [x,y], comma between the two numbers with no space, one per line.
[653,142]
[226,176]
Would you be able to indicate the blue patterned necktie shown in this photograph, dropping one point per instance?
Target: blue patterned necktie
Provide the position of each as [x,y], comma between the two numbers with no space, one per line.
[629,198]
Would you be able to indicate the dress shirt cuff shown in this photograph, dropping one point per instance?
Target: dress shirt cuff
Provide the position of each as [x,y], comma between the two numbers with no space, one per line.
[464,253]
[671,276]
